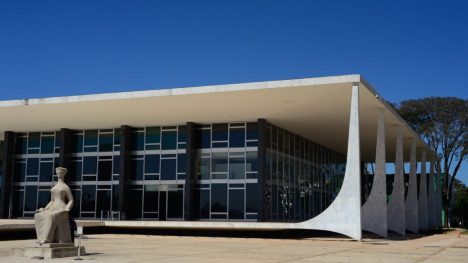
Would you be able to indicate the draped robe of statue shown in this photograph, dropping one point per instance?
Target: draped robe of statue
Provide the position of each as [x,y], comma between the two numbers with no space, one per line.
[52,223]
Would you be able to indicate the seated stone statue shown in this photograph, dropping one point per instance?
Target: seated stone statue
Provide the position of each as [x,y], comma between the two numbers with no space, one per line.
[51,222]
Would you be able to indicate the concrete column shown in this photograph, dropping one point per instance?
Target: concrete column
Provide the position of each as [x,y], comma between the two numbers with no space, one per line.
[8,168]
[344,214]
[422,200]
[190,212]
[396,205]
[411,204]
[262,168]
[438,200]
[374,210]
[430,198]
[125,170]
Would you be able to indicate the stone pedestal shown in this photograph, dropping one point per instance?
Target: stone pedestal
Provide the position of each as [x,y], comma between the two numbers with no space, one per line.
[50,251]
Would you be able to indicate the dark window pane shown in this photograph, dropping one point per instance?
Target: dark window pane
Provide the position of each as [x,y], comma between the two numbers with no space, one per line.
[252,202]
[203,171]
[34,140]
[138,141]
[47,144]
[219,162]
[115,197]
[152,163]
[33,166]
[88,198]
[252,131]
[30,199]
[117,136]
[105,170]
[43,198]
[77,201]
[17,209]
[116,164]
[105,142]
[151,198]
[251,161]
[220,132]
[103,202]
[236,204]
[153,135]
[20,172]
[75,171]
[46,172]
[21,145]
[89,165]
[175,201]
[204,204]
[237,137]
[169,140]
[168,169]
[137,170]
[91,137]
[205,140]
[135,198]
[219,198]
[181,163]
[182,134]
[77,142]
[236,168]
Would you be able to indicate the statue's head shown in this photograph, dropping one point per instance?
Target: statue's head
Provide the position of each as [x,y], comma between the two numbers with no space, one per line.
[61,172]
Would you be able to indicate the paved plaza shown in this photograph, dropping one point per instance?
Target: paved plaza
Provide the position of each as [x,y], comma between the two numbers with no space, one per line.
[150,248]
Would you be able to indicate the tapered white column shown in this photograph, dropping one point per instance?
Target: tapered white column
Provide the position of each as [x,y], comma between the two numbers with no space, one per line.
[430,197]
[422,199]
[344,214]
[374,210]
[396,204]
[411,203]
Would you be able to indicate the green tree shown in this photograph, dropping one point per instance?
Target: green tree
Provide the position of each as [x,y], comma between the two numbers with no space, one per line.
[460,205]
[442,122]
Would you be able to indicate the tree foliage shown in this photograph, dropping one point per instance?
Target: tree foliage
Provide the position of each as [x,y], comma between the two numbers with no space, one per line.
[442,122]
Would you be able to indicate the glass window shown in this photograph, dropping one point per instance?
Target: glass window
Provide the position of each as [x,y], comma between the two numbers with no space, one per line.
[75,171]
[204,204]
[205,140]
[236,137]
[236,168]
[88,198]
[169,140]
[181,163]
[90,165]
[153,135]
[17,209]
[251,161]
[220,132]
[21,145]
[252,131]
[33,166]
[47,144]
[135,198]
[175,201]
[91,137]
[137,170]
[151,198]
[116,164]
[46,171]
[77,142]
[252,202]
[20,171]
[105,170]
[43,199]
[203,171]
[103,202]
[236,204]
[219,162]
[117,134]
[138,141]
[30,198]
[218,197]
[168,169]
[105,142]
[182,134]
[152,163]
[34,140]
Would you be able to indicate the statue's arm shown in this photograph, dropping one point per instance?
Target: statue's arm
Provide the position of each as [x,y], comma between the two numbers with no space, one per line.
[46,207]
[70,200]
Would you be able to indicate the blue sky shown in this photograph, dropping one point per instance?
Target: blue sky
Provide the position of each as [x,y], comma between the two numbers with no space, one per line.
[406,49]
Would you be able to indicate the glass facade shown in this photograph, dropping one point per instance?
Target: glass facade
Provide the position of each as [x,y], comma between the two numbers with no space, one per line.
[302,178]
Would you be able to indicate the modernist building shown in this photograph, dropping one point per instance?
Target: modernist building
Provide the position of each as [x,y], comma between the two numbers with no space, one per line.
[277,154]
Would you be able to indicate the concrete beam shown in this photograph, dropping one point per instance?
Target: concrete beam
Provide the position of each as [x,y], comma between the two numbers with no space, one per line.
[344,214]
[422,200]
[396,205]
[411,204]
[374,210]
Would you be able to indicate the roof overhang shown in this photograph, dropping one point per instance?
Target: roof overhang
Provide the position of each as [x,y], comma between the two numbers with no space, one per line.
[316,108]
